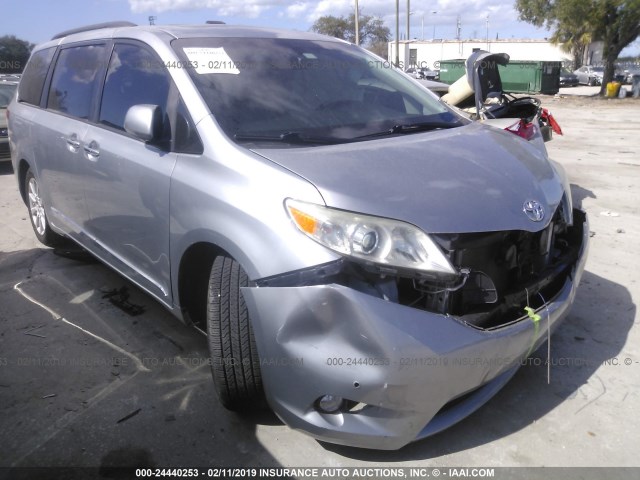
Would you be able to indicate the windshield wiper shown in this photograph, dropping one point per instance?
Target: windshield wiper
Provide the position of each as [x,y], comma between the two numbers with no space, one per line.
[296,138]
[287,137]
[412,128]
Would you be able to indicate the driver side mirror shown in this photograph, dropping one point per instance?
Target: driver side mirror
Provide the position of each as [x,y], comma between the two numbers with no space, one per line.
[144,121]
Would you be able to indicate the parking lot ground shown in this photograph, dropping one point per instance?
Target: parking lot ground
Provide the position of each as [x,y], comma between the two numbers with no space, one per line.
[584,90]
[85,383]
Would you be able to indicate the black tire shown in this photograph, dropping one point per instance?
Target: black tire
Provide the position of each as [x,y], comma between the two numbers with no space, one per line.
[592,82]
[37,215]
[234,358]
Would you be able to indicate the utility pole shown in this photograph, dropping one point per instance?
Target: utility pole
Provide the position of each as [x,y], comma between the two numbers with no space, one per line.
[434,24]
[487,32]
[459,34]
[397,33]
[357,18]
[408,18]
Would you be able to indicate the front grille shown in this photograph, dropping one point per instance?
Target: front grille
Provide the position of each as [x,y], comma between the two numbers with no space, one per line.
[503,272]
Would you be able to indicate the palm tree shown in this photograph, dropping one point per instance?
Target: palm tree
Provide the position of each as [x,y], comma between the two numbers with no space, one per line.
[574,39]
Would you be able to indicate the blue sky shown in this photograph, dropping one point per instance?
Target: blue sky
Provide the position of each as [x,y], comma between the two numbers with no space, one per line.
[38,20]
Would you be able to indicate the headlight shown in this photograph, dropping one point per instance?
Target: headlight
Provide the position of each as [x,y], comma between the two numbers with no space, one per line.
[372,239]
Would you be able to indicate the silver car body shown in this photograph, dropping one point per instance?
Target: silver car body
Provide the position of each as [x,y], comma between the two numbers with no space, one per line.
[589,75]
[142,211]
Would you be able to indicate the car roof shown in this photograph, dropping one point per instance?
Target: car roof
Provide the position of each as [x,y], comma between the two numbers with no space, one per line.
[221,30]
[171,32]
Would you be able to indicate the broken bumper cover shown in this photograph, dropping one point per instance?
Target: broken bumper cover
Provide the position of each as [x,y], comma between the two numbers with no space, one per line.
[413,373]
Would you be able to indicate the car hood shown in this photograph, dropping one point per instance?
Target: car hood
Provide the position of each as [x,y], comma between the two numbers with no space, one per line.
[467,179]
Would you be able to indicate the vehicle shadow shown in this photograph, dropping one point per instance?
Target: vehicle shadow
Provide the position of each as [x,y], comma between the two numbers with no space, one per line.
[6,168]
[87,382]
[592,335]
[578,194]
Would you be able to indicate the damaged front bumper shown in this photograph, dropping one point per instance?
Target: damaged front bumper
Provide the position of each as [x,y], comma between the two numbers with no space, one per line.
[405,373]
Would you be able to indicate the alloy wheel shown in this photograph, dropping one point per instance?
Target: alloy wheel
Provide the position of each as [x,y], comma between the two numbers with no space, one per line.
[36,208]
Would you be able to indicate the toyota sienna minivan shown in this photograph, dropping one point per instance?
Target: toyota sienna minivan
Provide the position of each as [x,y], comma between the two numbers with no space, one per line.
[365,259]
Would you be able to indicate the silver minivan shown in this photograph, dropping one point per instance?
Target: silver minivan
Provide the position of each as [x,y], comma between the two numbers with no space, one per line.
[365,259]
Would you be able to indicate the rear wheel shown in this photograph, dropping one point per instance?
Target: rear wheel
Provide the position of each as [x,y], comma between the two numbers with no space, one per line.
[37,213]
[234,358]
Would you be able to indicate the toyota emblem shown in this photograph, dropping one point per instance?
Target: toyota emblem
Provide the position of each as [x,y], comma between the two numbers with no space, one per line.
[534,210]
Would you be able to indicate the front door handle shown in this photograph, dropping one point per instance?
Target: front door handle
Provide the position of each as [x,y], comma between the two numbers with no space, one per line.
[92,150]
[73,143]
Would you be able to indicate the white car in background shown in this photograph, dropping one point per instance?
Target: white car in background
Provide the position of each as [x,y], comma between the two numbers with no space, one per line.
[589,75]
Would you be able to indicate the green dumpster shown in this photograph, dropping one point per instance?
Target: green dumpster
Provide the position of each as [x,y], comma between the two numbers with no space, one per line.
[519,76]
[451,70]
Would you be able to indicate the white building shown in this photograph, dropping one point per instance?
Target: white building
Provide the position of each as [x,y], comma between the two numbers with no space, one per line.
[426,53]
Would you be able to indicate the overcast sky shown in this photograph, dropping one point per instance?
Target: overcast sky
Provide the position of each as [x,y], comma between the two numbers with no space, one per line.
[38,20]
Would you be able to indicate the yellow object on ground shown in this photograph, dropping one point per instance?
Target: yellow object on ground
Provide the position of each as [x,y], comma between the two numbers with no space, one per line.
[613,88]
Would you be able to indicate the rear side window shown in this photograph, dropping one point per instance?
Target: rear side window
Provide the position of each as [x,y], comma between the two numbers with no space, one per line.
[135,77]
[34,75]
[74,80]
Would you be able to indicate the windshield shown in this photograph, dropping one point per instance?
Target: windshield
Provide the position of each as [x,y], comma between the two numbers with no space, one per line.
[285,89]
[6,94]
[598,69]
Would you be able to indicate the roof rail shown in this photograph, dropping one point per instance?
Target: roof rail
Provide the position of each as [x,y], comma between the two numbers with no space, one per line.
[95,26]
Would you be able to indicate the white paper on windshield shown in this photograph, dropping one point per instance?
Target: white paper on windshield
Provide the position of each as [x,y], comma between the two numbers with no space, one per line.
[211,60]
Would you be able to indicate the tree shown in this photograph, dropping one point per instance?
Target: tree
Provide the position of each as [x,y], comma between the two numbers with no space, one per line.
[574,37]
[14,54]
[373,32]
[338,27]
[615,22]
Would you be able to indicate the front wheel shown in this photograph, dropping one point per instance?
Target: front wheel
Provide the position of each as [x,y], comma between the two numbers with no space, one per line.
[234,358]
[37,213]
[592,82]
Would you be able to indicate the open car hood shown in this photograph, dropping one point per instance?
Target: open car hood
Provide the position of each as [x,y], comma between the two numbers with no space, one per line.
[482,81]
[483,75]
